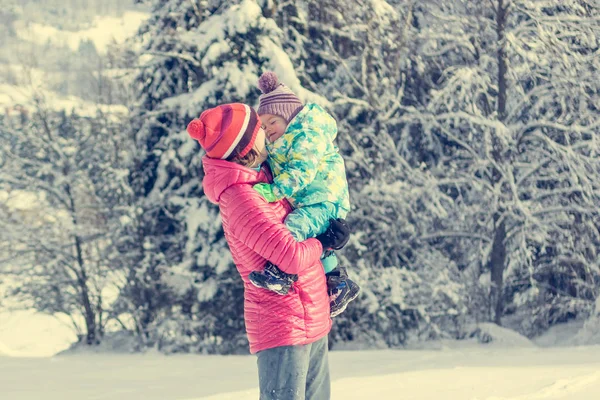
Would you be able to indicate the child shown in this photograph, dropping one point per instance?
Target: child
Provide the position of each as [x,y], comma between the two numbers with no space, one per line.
[310,173]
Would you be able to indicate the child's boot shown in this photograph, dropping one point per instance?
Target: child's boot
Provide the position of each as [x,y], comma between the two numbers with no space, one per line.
[341,289]
[273,279]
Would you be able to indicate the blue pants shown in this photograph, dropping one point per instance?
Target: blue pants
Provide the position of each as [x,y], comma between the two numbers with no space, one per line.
[295,372]
[310,221]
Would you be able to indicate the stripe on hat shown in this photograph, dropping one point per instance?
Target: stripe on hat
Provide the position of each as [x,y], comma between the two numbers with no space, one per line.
[250,135]
[240,133]
[280,98]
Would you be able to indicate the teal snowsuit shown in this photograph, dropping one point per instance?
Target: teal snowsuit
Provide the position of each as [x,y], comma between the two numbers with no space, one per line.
[309,171]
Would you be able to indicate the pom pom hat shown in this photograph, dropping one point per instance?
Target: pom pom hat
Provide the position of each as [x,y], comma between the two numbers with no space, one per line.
[221,129]
[277,99]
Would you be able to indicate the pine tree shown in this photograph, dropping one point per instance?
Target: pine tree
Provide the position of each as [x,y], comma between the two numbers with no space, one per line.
[194,55]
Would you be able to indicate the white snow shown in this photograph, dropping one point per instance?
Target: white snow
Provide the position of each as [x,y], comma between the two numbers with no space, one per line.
[477,373]
[590,332]
[566,334]
[31,334]
[216,50]
[235,19]
[187,103]
[498,336]
[382,8]
[104,31]
[22,200]
[207,289]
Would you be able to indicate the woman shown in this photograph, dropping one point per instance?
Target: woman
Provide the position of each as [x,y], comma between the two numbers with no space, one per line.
[288,333]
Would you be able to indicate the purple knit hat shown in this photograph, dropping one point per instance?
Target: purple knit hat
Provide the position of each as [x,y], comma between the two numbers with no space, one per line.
[277,99]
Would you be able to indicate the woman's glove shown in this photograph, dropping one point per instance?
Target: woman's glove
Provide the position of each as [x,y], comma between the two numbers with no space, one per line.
[336,236]
[266,191]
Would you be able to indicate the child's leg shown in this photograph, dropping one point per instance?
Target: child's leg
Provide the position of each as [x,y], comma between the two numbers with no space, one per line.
[310,221]
[330,261]
[303,223]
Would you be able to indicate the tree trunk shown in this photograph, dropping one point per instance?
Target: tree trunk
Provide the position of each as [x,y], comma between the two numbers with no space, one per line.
[501,16]
[498,256]
[497,263]
[82,278]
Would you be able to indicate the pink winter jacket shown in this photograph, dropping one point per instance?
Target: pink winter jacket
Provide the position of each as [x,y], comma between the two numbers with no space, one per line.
[255,233]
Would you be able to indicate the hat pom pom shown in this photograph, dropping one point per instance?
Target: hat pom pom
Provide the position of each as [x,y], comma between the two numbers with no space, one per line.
[196,129]
[268,82]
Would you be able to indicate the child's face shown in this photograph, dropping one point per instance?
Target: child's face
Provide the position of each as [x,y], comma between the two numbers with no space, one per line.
[274,126]
[260,146]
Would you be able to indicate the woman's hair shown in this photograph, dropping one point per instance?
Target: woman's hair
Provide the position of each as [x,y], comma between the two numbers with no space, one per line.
[250,158]
[247,161]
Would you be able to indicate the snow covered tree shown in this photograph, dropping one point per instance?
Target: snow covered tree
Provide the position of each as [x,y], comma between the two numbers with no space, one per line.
[469,135]
[193,55]
[360,54]
[516,105]
[61,187]
[444,100]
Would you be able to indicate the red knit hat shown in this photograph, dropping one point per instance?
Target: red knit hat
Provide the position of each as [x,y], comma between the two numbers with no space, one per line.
[221,129]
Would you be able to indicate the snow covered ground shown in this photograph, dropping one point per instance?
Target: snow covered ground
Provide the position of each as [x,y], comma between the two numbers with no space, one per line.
[512,368]
[31,334]
[476,373]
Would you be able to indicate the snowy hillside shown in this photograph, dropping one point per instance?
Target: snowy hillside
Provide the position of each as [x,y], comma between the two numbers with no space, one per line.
[17,96]
[105,30]
[65,68]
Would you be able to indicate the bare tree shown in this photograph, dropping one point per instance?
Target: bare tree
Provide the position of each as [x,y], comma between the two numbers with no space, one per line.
[62,182]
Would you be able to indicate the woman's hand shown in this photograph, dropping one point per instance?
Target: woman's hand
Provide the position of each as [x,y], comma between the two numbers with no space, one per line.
[336,236]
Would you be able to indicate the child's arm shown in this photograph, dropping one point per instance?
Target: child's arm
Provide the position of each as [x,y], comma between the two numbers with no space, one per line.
[304,155]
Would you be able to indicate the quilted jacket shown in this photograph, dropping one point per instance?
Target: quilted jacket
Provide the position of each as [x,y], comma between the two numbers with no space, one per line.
[255,233]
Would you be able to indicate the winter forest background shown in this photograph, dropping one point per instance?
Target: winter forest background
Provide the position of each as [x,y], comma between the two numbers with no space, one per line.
[470,131]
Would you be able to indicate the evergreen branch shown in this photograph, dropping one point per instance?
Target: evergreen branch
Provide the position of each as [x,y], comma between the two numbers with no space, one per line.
[196,10]
[535,169]
[556,192]
[454,234]
[565,209]
[555,125]
[346,68]
[169,54]
[467,181]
